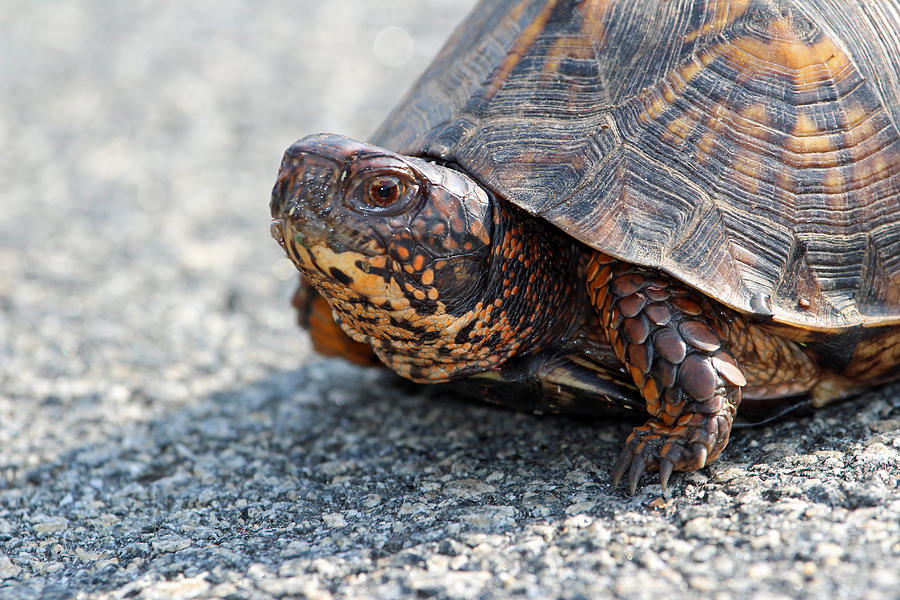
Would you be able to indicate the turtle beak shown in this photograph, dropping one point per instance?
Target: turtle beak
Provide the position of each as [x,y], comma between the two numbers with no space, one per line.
[304,194]
[306,178]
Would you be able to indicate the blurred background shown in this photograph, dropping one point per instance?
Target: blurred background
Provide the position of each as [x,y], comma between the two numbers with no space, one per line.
[140,141]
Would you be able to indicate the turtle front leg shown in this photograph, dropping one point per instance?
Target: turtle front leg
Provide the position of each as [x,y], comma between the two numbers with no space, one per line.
[328,339]
[673,342]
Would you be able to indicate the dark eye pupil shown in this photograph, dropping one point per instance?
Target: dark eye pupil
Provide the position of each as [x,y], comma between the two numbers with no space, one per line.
[384,191]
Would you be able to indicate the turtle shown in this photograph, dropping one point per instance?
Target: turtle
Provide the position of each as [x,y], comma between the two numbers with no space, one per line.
[682,209]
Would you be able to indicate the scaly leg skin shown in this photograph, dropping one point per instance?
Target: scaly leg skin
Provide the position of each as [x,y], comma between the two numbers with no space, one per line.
[328,339]
[673,341]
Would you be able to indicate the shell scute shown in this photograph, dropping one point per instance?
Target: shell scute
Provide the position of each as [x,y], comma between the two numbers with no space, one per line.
[763,133]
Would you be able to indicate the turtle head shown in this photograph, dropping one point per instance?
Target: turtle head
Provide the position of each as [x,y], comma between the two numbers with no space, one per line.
[399,246]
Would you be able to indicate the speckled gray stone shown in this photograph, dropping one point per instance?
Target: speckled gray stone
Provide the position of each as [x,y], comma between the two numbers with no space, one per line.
[165,431]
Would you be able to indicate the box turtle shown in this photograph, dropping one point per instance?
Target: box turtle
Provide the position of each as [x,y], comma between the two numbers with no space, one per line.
[684,207]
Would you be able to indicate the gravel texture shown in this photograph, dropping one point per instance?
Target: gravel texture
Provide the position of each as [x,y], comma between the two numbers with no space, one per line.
[166,432]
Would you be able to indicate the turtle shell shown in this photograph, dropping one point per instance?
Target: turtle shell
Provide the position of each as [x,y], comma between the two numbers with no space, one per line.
[749,148]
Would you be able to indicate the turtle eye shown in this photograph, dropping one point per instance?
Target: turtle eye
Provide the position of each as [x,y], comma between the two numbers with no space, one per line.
[384,190]
[384,193]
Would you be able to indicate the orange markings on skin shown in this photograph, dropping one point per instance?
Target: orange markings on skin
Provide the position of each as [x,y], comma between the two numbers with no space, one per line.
[478,230]
[593,267]
[330,340]
[362,282]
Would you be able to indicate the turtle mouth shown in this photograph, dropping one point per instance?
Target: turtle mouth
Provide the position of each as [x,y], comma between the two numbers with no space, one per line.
[299,225]
[319,252]
[301,228]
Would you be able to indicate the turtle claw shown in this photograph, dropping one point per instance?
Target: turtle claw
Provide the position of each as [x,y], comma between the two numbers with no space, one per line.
[700,454]
[633,464]
[638,466]
[621,467]
[666,467]
[656,447]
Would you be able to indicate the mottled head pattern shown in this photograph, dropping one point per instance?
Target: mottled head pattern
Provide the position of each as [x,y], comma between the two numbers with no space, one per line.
[418,261]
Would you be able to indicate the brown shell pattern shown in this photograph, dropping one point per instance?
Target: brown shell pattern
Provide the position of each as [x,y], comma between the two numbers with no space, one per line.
[750,148]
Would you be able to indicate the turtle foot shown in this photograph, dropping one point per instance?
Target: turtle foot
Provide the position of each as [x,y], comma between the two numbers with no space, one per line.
[687,445]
